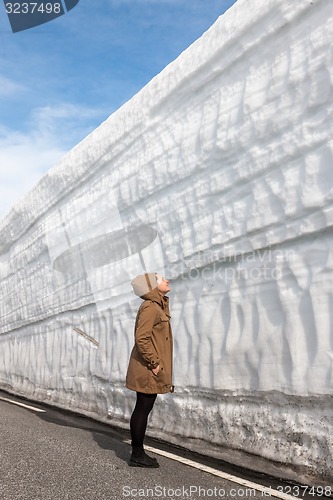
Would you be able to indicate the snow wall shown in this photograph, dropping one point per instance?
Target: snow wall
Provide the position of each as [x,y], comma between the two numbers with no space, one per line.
[219,175]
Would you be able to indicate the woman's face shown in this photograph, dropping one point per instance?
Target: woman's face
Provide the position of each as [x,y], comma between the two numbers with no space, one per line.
[162,284]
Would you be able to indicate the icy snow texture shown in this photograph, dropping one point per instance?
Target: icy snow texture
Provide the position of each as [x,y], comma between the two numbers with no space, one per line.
[219,174]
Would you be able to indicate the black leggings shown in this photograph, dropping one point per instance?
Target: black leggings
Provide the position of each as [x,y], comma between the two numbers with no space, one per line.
[138,423]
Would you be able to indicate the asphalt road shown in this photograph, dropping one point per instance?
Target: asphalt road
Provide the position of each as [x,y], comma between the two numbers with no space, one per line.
[60,456]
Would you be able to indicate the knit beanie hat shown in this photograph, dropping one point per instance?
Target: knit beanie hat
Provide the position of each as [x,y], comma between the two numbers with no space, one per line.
[144,283]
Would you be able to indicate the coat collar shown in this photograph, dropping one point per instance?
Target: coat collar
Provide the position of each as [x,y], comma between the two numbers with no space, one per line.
[155,296]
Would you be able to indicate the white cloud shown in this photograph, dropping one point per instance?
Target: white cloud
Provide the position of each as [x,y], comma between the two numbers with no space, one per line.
[23,160]
[9,87]
[50,119]
[26,156]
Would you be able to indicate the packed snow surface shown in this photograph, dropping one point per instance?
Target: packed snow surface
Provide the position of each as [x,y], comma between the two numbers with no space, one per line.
[219,175]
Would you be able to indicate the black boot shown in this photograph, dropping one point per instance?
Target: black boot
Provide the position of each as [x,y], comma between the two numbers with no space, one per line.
[140,459]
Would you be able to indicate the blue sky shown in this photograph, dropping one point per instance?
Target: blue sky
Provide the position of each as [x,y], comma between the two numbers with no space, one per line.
[60,80]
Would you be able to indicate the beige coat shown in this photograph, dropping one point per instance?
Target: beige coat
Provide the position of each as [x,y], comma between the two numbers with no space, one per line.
[153,346]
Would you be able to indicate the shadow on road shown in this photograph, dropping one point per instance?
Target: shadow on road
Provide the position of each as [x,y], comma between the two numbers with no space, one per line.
[107,438]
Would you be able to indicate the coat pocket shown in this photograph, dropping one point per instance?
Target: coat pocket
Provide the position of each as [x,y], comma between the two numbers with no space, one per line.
[162,319]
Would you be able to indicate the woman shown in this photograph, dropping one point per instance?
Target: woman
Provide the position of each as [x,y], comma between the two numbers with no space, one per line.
[150,367]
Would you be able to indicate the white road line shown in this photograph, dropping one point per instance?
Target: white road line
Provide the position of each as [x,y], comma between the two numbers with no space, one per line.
[21,404]
[266,492]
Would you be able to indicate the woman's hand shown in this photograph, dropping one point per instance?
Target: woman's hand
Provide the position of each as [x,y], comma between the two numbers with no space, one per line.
[156,370]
